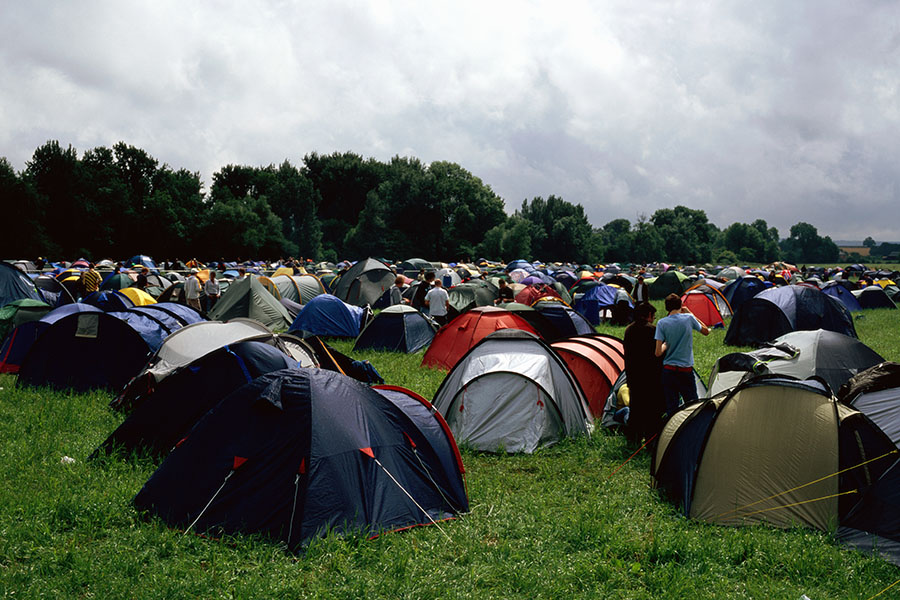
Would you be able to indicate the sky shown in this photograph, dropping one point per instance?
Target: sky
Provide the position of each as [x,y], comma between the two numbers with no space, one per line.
[765,109]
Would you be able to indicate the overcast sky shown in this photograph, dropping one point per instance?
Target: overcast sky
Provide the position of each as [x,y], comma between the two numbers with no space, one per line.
[782,110]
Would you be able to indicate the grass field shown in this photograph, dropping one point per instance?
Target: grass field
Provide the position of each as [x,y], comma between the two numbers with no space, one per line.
[555,524]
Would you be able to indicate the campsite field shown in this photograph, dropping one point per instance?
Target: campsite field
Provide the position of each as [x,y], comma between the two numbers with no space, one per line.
[561,523]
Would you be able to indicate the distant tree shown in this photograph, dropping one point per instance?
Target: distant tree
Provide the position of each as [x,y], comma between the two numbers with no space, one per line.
[508,241]
[618,241]
[869,242]
[560,231]
[686,233]
[806,246]
[25,236]
[343,182]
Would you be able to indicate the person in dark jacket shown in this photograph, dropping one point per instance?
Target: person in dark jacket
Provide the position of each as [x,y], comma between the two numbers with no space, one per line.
[644,373]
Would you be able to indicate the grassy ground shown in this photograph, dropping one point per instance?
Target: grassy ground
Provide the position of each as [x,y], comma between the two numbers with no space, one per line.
[556,524]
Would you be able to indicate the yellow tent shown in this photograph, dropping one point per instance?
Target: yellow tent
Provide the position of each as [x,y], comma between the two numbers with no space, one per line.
[138,296]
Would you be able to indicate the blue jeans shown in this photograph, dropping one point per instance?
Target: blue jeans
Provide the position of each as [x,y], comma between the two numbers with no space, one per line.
[678,386]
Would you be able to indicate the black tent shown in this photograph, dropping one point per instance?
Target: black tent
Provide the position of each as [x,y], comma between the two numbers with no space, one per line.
[298,453]
[779,310]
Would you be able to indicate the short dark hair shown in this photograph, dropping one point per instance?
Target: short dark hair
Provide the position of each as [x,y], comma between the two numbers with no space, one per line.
[644,311]
[429,275]
[673,302]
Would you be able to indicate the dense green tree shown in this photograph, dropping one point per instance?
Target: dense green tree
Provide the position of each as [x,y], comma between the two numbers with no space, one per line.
[618,241]
[55,176]
[686,233]
[343,182]
[25,236]
[560,230]
[869,242]
[508,241]
[806,246]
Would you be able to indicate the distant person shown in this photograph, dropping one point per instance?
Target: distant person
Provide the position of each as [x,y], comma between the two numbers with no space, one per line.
[675,343]
[644,372]
[242,272]
[397,290]
[212,290]
[641,290]
[438,302]
[418,301]
[192,290]
[90,280]
[142,282]
[505,293]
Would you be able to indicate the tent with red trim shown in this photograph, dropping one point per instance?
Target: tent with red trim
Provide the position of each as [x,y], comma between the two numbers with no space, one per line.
[454,339]
[704,308]
[596,361]
[512,393]
[296,454]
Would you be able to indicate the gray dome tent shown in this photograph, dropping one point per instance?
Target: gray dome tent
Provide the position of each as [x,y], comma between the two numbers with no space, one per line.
[364,282]
[511,392]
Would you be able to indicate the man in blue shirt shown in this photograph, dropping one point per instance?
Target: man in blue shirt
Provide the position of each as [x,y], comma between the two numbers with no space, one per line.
[675,341]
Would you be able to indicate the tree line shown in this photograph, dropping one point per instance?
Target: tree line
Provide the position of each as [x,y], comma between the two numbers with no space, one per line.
[120,201]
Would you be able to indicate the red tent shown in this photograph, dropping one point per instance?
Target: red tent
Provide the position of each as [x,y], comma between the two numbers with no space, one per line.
[596,361]
[455,338]
[530,294]
[703,308]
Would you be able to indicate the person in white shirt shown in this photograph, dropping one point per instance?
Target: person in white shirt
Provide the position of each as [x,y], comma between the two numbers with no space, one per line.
[211,289]
[438,302]
[192,290]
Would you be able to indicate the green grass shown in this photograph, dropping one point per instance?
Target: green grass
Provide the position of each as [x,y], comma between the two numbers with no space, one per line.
[550,525]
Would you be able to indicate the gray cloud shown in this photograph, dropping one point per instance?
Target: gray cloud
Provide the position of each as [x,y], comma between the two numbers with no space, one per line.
[772,110]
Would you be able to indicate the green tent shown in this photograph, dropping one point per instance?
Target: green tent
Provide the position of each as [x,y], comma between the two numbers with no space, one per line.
[249,298]
[20,311]
[670,282]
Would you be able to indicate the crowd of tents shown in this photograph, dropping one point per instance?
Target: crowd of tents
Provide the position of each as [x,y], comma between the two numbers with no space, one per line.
[263,426]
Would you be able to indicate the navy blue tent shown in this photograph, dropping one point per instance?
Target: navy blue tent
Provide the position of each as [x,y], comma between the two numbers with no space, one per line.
[779,310]
[86,350]
[168,412]
[399,328]
[836,290]
[565,319]
[298,453]
[144,261]
[15,285]
[19,341]
[737,291]
[520,264]
[329,315]
[598,298]
[108,300]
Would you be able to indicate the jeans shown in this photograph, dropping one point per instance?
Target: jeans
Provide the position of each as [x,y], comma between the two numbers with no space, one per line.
[678,386]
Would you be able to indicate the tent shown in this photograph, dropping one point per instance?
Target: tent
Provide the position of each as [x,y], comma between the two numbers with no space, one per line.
[466,296]
[544,327]
[52,290]
[18,312]
[704,307]
[85,350]
[170,408]
[836,289]
[873,296]
[779,310]
[330,316]
[731,273]
[833,357]
[876,393]
[188,345]
[532,293]
[670,282]
[364,282]
[565,319]
[20,339]
[299,288]
[742,289]
[455,338]
[137,296]
[412,266]
[117,281]
[596,363]
[398,328]
[15,285]
[248,298]
[511,392]
[619,397]
[599,301]
[280,457]
[785,453]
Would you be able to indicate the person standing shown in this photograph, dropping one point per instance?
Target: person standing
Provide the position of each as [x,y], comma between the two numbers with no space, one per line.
[675,343]
[641,291]
[211,289]
[644,373]
[438,302]
[90,280]
[418,301]
[192,290]
[397,290]
[142,282]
